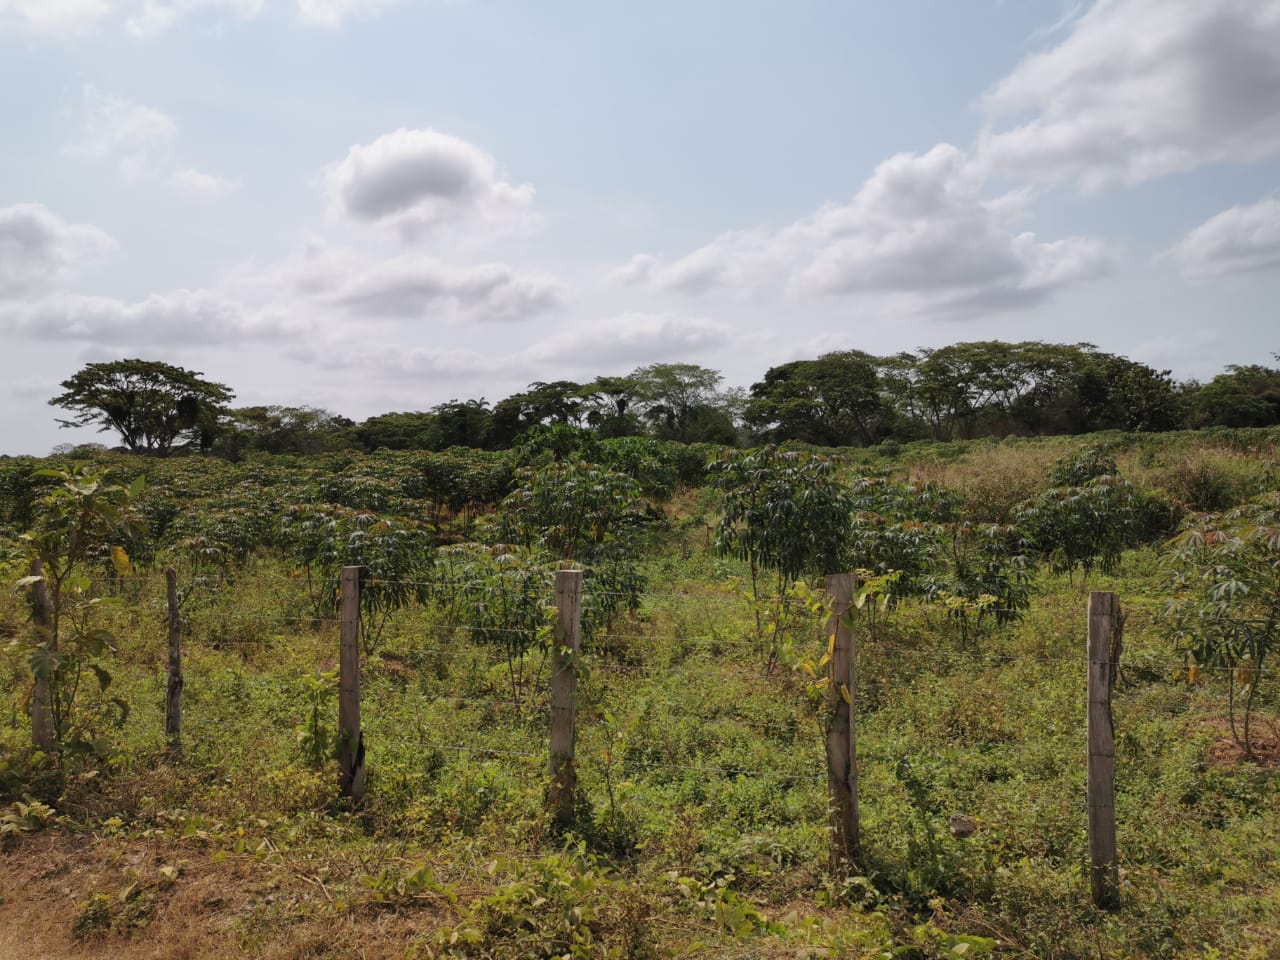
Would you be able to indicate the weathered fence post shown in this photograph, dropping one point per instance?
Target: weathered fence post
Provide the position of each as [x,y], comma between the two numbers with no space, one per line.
[564,684]
[350,737]
[1106,630]
[173,690]
[43,732]
[842,739]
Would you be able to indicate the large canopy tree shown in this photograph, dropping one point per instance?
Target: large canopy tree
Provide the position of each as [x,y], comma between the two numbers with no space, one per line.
[152,405]
[276,429]
[834,401]
[675,398]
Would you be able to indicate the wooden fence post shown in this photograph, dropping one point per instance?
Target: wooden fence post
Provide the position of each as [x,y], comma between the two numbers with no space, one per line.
[564,684]
[1106,630]
[173,690]
[44,734]
[842,739]
[350,737]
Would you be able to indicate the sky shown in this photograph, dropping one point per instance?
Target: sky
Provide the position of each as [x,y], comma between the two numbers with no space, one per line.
[377,205]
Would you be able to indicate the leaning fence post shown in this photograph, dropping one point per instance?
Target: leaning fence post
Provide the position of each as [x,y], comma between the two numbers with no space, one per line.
[842,740]
[1106,630]
[43,732]
[173,690]
[350,737]
[564,683]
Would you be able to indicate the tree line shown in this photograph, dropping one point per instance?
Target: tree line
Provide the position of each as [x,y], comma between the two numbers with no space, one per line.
[845,398]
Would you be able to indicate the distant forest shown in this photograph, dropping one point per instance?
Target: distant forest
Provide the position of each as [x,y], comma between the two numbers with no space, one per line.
[846,398]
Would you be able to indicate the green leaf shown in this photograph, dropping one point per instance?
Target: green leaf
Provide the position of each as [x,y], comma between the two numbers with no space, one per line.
[44,662]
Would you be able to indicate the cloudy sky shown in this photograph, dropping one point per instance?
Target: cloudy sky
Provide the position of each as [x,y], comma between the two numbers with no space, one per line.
[373,205]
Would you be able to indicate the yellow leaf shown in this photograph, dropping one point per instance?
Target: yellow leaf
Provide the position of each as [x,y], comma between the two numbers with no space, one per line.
[831,645]
[1193,674]
[826,658]
[844,692]
[120,560]
[808,668]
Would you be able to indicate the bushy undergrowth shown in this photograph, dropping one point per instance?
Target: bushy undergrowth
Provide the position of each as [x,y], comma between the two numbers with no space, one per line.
[701,821]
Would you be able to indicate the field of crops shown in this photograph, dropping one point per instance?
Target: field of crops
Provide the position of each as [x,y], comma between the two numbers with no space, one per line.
[700,826]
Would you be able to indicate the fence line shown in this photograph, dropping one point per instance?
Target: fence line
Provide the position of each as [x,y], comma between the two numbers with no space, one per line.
[562,693]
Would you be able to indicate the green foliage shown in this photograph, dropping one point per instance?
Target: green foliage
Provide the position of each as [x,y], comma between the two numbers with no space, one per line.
[556,404]
[785,511]
[895,529]
[677,399]
[75,524]
[984,576]
[502,596]
[27,817]
[691,766]
[1225,612]
[653,464]
[1084,526]
[540,445]
[1089,464]
[152,405]
[1242,396]
[834,400]
[276,429]
[562,906]
[584,514]
[395,557]
[318,735]
[401,431]
[460,478]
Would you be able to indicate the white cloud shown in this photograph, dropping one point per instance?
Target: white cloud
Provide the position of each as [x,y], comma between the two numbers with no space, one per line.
[1139,89]
[625,340]
[157,16]
[37,248]
[140,140]
[420,179]
[631,338]
[409,287]
[1182,351]
[147,19]
[919,232]
[410,365]
[28,388]
[194,183]
[54,17]
[1238,240]
[180,317]
[129,133]
[331,13]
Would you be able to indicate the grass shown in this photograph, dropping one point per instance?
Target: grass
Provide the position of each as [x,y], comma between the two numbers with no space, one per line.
[701,827]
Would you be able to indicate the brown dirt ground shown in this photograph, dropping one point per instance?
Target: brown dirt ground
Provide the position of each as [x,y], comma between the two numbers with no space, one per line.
[238,907]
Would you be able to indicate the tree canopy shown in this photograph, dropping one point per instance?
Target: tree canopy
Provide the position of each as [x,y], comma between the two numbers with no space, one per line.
[833,401]
[152,405]
[843,398]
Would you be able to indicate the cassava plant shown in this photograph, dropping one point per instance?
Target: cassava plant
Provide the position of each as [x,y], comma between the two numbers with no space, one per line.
[786,512]
[1091,515]
[502,593]
[1225,612]
[983,576]
[584,514]
[80,519]
[394,556]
